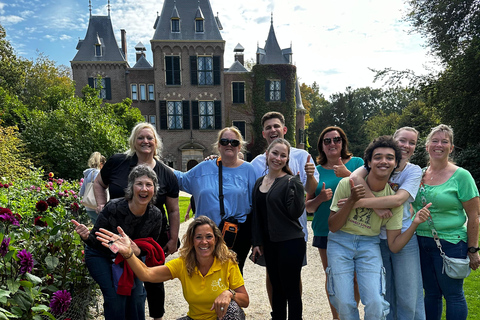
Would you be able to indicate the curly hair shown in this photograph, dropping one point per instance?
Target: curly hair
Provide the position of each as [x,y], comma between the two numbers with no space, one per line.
[322,157]
[187,251]
[134,134]
[137,172]
[382,142]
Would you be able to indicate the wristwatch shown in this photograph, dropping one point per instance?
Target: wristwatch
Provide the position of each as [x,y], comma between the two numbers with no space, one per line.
[232,292]
[473,249]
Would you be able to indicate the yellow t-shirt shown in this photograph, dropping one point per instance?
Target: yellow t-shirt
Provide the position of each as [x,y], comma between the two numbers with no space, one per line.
[364,221]
[199,291]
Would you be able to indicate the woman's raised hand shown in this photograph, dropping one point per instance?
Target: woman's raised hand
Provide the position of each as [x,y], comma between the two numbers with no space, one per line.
[81,229]
[109,239]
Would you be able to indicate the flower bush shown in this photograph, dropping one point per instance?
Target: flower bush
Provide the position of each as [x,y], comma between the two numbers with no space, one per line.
[41,257]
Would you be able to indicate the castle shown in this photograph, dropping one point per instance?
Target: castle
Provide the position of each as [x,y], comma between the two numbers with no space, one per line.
[188,94]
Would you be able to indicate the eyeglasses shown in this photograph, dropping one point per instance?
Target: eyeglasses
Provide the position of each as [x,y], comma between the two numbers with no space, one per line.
[234,142]
[336,140]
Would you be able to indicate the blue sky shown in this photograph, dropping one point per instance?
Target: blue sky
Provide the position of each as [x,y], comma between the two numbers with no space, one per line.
[333,42]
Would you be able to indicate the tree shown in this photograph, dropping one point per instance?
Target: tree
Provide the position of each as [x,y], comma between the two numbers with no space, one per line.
[15,163]
[448,25]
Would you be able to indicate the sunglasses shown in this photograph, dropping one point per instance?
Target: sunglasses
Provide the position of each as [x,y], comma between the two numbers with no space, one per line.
[336,140]
[225,142]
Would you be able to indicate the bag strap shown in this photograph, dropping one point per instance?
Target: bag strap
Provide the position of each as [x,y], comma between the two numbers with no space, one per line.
[220,188]
[430,220]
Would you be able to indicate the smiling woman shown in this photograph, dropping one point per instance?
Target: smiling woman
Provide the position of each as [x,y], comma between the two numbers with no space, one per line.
[138,216]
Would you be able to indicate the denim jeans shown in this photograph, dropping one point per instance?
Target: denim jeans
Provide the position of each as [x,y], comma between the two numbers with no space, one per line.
[438,284]
[115,306]
[403,281]
[348,254]
[93,215]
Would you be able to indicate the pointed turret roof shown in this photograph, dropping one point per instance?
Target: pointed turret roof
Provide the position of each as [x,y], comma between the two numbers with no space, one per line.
[100,31]
[272,54]
[188,11]
[237,67]
[298,96]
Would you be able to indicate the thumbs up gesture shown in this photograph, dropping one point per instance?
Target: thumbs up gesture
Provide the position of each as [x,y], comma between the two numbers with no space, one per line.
[358,191]
[340,170]
[325,194]
[309,167]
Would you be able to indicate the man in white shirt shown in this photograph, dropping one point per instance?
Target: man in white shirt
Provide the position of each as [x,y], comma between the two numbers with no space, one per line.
[300,162]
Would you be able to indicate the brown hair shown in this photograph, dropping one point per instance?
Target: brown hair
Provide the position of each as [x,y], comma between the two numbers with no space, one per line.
[273,115]
[322,157]
[285,168]
[187,251]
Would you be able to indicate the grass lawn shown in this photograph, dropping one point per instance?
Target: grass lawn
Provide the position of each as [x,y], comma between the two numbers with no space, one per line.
[183,203]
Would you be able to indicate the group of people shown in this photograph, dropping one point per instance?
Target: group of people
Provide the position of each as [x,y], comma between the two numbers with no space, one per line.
[366,212]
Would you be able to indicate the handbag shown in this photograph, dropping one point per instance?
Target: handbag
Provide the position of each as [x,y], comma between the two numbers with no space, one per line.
[88,199]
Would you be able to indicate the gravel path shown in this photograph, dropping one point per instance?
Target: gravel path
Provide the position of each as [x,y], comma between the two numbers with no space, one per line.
[315,304]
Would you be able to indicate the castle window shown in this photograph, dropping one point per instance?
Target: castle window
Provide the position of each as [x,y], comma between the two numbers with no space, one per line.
[241,125]
[151,95]
[199,25]
[98,50]
[172,70]
[103,85]
[205,70]
[275,90]
[174,114]
[134,92]
[143,94]
[238,92]
[175,23]
[153,120]
[207,114]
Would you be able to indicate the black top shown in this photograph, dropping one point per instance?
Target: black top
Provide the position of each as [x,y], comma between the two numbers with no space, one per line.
[285,204]
[116,213]
[115,174]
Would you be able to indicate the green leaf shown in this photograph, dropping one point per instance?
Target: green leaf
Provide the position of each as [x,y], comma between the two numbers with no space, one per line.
[51,262]
[34,279]
[25,283]
[13,285]
[40,307]
[54,231]
[49,220]
[45,313]
[23,300]
[9,255]
[4,293]
[4,314]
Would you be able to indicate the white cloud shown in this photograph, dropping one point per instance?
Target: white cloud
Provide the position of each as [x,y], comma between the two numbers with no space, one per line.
[65,37]
[11,19]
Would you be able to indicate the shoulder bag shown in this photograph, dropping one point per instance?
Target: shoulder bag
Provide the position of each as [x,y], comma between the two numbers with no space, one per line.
[88,199]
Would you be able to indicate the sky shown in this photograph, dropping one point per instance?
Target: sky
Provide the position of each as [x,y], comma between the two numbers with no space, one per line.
[334,43]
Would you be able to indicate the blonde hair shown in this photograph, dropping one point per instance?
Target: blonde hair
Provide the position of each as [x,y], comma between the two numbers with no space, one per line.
[187,251]
[133,136]
[237,133]
[405,129]
[96,159]
[440,128]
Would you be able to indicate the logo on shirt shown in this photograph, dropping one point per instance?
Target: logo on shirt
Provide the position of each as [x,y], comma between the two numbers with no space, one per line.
[216,285]
[394,186]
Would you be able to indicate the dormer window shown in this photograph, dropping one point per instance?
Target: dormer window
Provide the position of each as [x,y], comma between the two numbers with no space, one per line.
[175,25]
[199,25]
[98,50]
[98,47]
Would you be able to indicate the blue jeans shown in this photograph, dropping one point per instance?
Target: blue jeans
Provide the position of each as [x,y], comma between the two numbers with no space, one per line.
[348,254]
[438,284]
[115,306]
[93,215]
[403,281]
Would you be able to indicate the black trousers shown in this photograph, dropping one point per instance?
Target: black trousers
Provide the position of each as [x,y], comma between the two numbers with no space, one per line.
[284,261]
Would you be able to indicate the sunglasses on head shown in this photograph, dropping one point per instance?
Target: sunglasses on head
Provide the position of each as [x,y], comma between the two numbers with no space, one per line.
[234,142]
[336,140]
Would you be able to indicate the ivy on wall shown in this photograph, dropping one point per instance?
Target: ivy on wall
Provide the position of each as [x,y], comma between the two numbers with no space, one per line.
[261,74]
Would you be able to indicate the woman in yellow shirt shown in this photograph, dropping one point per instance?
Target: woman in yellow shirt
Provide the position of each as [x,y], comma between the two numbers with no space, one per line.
[211,280]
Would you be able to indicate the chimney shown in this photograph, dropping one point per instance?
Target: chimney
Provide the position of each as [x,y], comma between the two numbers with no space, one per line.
[239,53]
[124,42]
[139,54]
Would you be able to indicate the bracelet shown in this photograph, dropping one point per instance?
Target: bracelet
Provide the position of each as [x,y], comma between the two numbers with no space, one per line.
[129,256]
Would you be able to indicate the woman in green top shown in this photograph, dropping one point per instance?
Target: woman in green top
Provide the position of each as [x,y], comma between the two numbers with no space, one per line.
[335,163]
[454,197]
